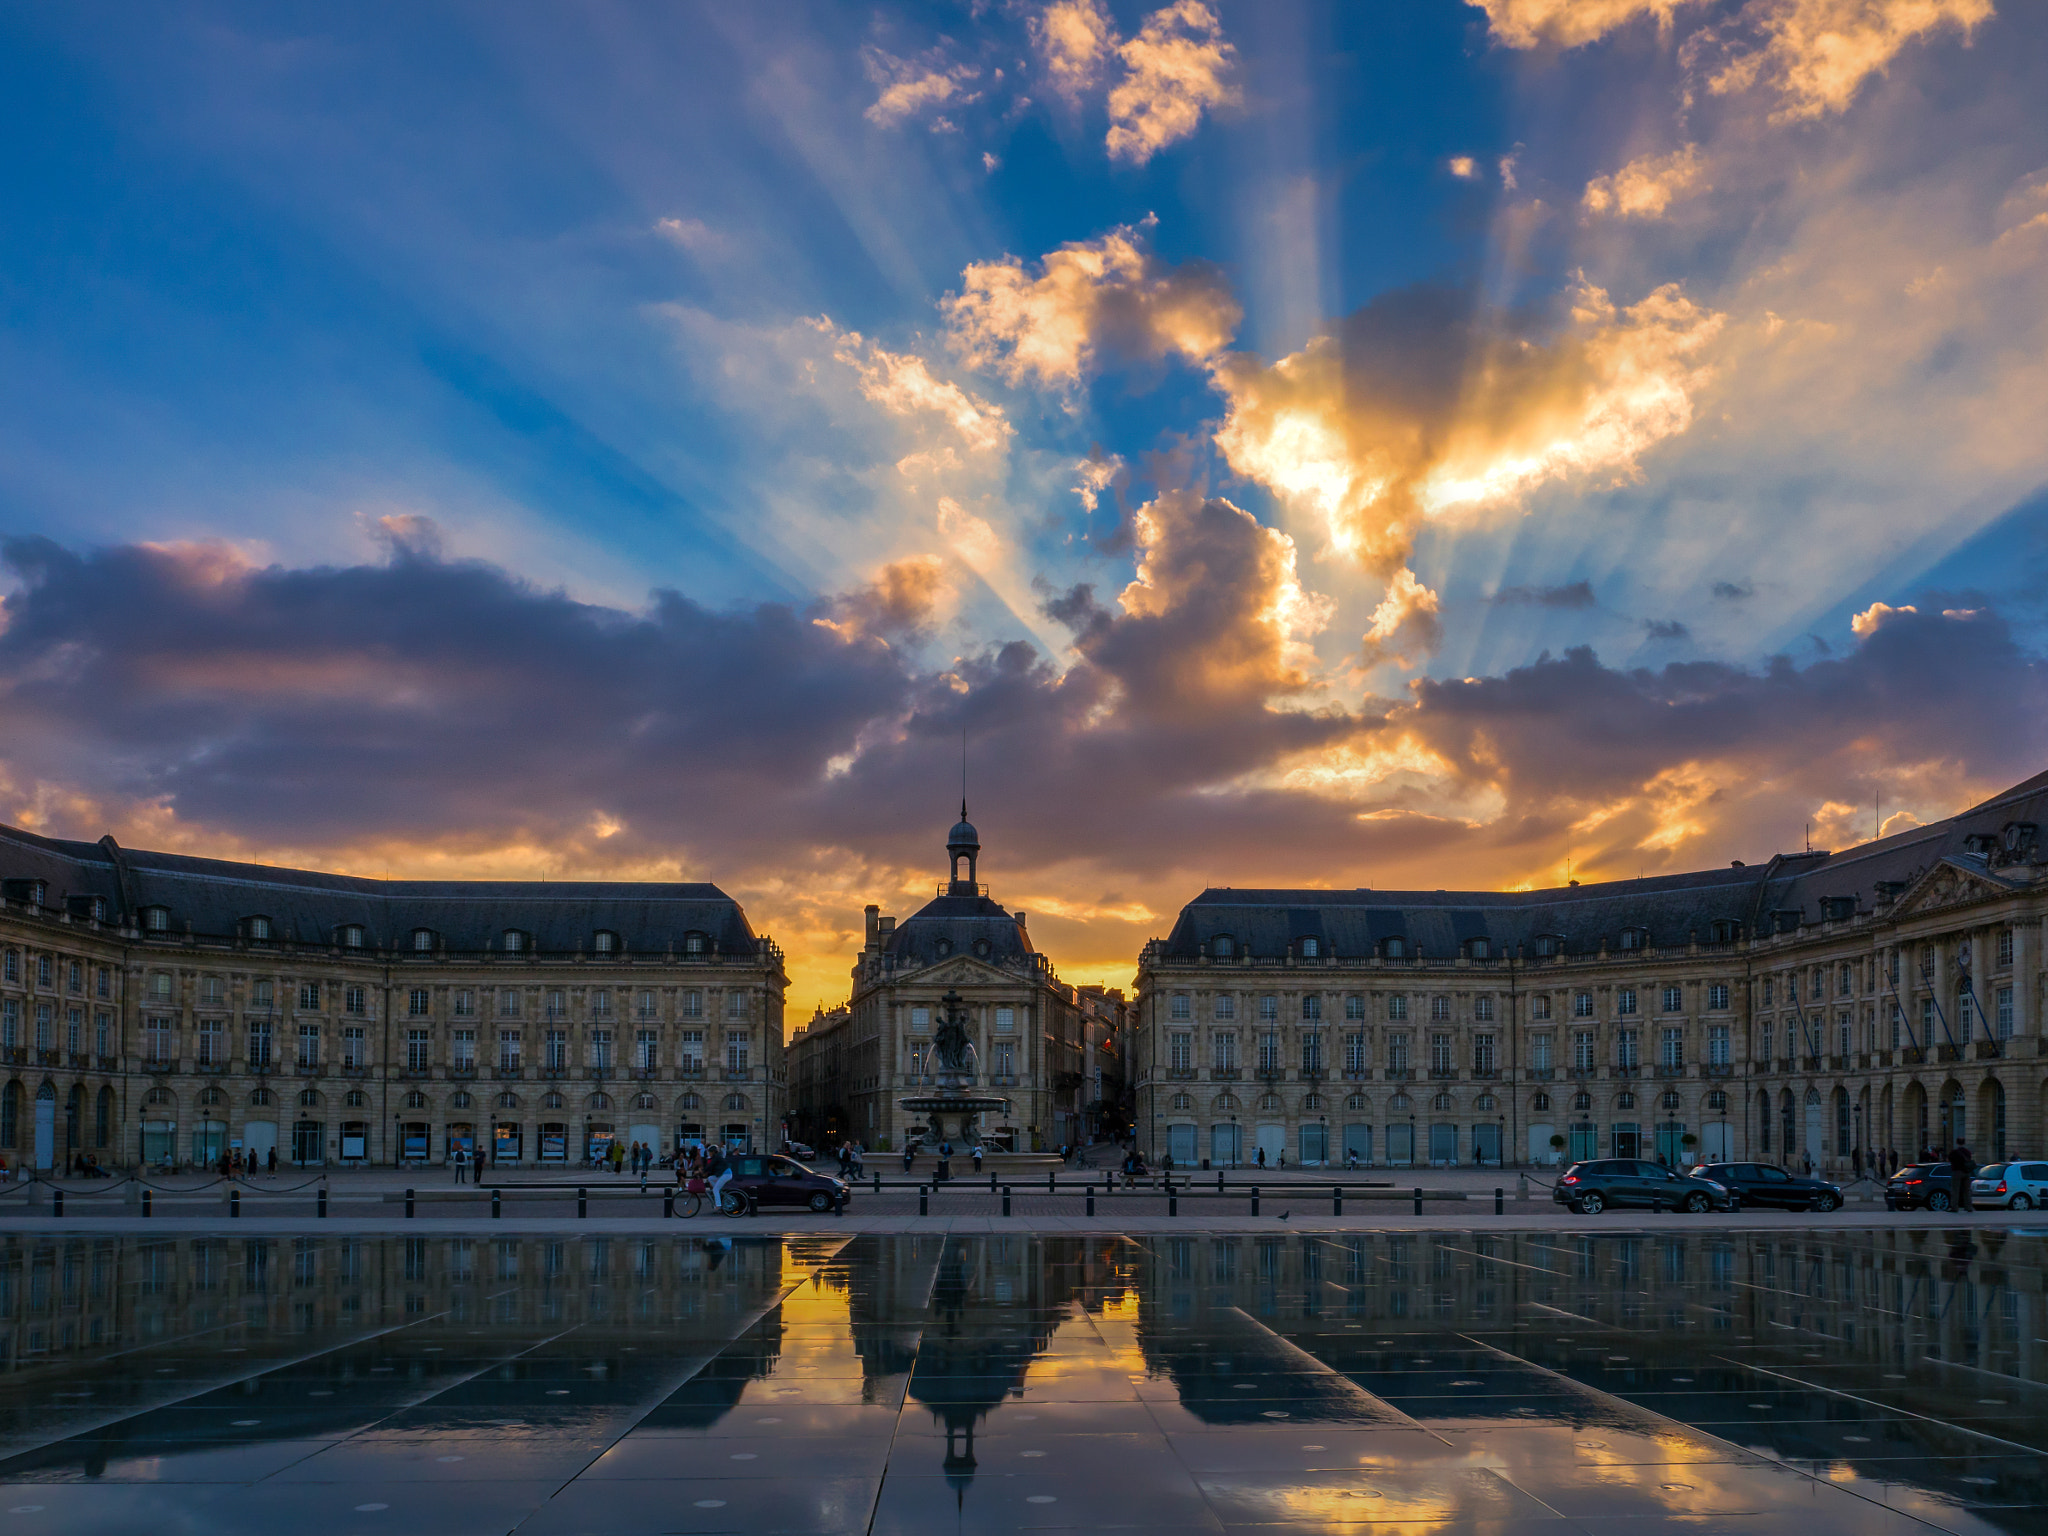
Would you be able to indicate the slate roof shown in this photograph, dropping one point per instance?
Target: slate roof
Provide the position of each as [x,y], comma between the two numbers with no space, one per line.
[958,921]
[1674,909]
[215,896]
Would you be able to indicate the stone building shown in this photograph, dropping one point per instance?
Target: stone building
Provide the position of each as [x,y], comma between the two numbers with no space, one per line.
[163,1008]
[858,1059]
[1823,1007]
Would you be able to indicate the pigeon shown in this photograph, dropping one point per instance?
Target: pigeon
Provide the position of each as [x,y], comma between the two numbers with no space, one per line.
[1283,1215]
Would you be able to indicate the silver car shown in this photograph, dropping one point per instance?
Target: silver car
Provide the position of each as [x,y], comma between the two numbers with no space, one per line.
[2010,1186]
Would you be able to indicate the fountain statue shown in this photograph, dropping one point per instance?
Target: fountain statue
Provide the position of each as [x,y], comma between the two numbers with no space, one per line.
[953,1113]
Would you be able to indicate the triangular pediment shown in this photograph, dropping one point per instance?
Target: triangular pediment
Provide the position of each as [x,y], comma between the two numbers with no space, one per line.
[958,971]
[1949,883]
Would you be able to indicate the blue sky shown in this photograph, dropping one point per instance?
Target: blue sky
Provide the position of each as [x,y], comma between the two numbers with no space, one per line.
[1705,334]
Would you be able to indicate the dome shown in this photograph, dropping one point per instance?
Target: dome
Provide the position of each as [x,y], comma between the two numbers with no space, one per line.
[963,835]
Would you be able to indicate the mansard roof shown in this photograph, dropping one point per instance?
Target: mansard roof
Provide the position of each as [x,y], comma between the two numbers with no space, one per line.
[2004,832]
[953,925]
[216,895]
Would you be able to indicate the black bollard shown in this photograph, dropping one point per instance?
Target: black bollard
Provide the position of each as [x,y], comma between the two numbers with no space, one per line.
[1219,1181]
[1091,1199]
[234,1202]
[320,1203]
[878,1183]
[1337,1200]
[146,1199]
[1006,1199]
[924,1207]
[1052,1183]
[1500,1202]
[497,1205]
[1418,1202]
[408,1204]
[1255,1199]
[56,1202]
[582,1201]
[1173,1205]
[991,1183]
[668,1204]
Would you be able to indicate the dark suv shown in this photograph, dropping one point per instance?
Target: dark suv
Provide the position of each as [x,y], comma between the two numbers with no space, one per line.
[1590,1188]
[1921,1184]
[1765,1187]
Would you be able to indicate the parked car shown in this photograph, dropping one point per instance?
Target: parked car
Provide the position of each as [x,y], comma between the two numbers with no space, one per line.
[2010,1186]
[1591,1187]
[1767,1187]
[799,1151]
[1929,1185]
[784,1181]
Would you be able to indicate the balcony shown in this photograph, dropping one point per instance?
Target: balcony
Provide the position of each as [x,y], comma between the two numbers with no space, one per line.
[1629,1070]
[1358,1074]
[1720,1069]
[1913,1056]
[1671,1069]
[1986,1050]
[308,1069]
[463,1070]
[109,1063]
[646,1074]
[358,1072]
[45,1058]
[691,1072]
[1224,1075]
[1948,1053]
[1812,1063]
[1180,1074]
[79,1060]
[508,1074]
[1400,1074]
[737,1075]
[1838,1063]
[215,1067]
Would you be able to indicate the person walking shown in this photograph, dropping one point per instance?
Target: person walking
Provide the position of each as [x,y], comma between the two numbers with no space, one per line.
[977,1157]
[461,1161]
[1962,1169]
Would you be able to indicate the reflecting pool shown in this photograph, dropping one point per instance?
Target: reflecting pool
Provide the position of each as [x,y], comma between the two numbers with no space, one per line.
[1882,1381]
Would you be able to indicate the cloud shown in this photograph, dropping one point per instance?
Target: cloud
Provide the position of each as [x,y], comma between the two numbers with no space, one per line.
[1816,54]
[1665,629]
[1576,594]
[693,235]
[902,384]
[1420,405]
[1178,66]
[1734,591]
[915,88]
[1571,23]
[1464,167]
[899,604]
[1075,40]
[1874,618]
[1110,295]
[1096,474]
[1645,188]
[1406,626]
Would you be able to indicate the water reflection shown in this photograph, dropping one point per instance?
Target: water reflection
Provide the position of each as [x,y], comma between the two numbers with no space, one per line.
[1436,1379]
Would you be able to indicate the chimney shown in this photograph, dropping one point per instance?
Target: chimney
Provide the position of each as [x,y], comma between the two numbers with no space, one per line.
[1023,920]
[888,926]
[874,916]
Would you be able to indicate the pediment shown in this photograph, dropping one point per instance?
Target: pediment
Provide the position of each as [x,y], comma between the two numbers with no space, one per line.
[1949,884]
[959,971]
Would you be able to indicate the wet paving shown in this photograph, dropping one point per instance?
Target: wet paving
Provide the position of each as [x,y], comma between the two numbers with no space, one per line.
[1871,1381]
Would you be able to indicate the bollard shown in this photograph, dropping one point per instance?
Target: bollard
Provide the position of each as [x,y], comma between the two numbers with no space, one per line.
[991,1183]
[1500,1202]
[1052,1183]
[1172,1204]
[1418,1202]
[1006,1199]
[320,1203]
[1255,1199]
[1656,1205]
[1521,1186]
[147,1196]
[234,1202]
[408,1203]
[497,1206]
[1219,1181]
[668,1204]
[1337,1200]
[56,1202]
[924,1207]
[582,1201]
[1091,1199]
[878,1183]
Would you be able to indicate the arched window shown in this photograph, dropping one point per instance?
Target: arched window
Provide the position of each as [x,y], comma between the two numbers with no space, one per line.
[645,1101]
[1478,949]
[599,1101]
[693,943]
[260,1098]
[736,1101]
[1311,948]
[257,928]
[689,1101]
[1539,1102]
[1395,949]
[604,942]
[515,941]
[1717,1100]
[309,1098]
[1223,946]
[1183,1101]
[459,1099]
[508,1100]
[423,941]
[415,1100]
[1624,1100]
[355,1098]
[1355,1102]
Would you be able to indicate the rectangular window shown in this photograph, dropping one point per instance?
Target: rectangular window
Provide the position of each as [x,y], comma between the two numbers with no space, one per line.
[1006,1021]
[1482,1009]
[1440,1054]
[1582,1005]
[508,1050]
[1927,1025]
[1226,1006]
[1397,1053]
[1539,1006]
[309,1045]
[1223,1053]
[465,1004]
[1354,1051]
[2004,1013]
[1439,1010]
[737,1042]
[43,1026]
[74,978]
[2005,946]
[1766,1000]
[1898,1026]
[601,1049]
[264,995]
[735,1005]
[1673,999]
[1180,1052]
[10,1024]
[1312,1052]
[11,969]
[1269,1008]
[1717,996]
[309,994]
[1354,1007]
[418,1050]
[156,1038]
[558,1005]
[1845,1035]
[1625,1000]
[259,1044]
[418,1004]
[1539,1052]
[920,1020]
[1397,1008]
[693,1005]
[1625,1052]
[43,974]
[210,1043]
[464,1041]
[692,1049]
[1717,1045]
[1483,1059]
[508,1004]
[355,1052]
[103,983]
[1311,1007]
[1845,980]
[103,1034]
[646,1050]
[1582,1051]
[601,1004]
[1006,1059]
[1269,1052]
[74,1030]
[555,1045]
[1670,1047]
[355,1001]
[1181,1007]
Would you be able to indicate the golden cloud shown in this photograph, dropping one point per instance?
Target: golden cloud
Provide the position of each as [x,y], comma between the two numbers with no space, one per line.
[1075,40]
[1646,187]
[1179,66]
[1817,53]
[1570,23]
[901,384]
[911,88]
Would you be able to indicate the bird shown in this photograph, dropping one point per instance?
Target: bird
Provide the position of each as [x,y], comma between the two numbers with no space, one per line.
[1283,1215]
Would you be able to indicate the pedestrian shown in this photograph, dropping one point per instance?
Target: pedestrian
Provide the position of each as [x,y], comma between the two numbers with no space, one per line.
[273,1161]
[1259,1157]
[977,1157]
[461,1161]
[1962,1169]
[909,1155]
[617,1158]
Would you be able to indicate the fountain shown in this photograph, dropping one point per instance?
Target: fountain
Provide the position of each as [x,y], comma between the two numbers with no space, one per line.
[953,1113]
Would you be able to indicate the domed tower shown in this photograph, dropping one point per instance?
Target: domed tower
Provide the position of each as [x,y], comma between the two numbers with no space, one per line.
[963,842]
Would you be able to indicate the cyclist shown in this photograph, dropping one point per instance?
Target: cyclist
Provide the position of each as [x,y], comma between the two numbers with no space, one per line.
[718,1172]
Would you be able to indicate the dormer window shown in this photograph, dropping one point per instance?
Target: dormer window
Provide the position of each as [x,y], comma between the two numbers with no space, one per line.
[604,942]
[423,941]
[156,919]
[351,935]
[257,928]
[1634,938]
[1311,949]
[1548,946]
[1478,949]
[943,947]
[981,948]
[1838,909]
[1223,946]
[693,943]
[515,942]
[1395,949]
[1724,930]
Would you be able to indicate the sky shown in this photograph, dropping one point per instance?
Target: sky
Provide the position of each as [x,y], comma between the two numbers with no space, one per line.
[1433,445]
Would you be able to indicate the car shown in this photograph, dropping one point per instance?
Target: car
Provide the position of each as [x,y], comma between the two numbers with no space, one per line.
[1764,1186]
[1917,1185]
[1589,1188]
[799,1151]
[784,1181]
[2010,1186]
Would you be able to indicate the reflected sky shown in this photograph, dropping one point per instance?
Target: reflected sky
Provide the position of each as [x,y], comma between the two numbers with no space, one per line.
[1884,1380]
